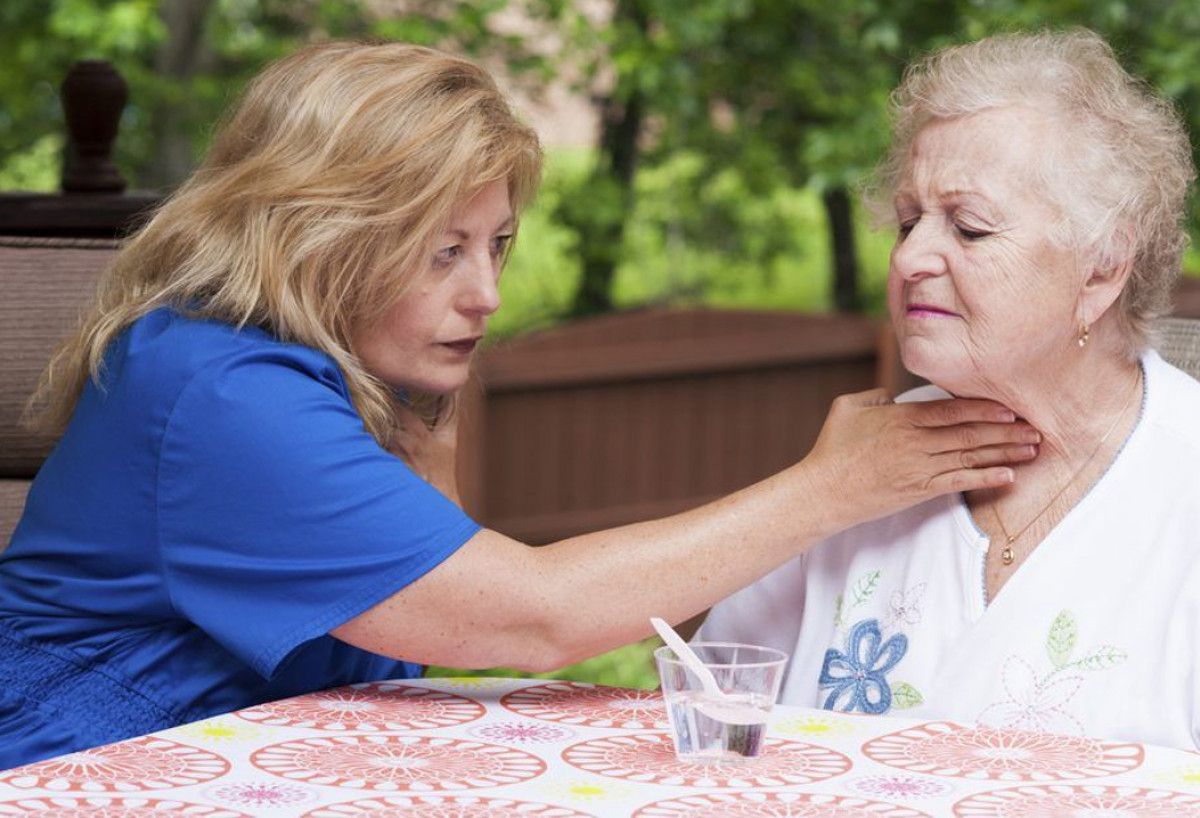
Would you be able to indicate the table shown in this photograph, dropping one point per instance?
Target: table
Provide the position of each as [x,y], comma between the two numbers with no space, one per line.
[538,749]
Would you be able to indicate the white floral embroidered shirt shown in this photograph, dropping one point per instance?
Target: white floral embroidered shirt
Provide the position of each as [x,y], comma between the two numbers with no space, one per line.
[1097,633]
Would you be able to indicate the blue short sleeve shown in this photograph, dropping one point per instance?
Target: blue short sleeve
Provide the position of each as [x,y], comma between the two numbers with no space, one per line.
[279,516]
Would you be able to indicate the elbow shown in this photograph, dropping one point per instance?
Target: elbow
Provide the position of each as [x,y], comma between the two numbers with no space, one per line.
[544,649]
[539,664]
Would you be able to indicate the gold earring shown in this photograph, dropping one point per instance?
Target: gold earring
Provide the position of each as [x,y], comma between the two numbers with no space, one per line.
[1084,335]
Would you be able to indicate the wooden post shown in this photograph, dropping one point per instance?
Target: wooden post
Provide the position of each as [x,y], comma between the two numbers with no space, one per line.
[93,203]
[93,96]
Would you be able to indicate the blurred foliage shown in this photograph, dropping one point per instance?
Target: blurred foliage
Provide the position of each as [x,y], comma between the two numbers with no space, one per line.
[628,666]
[774,95]
[190,76]
[765,252]
[745,108]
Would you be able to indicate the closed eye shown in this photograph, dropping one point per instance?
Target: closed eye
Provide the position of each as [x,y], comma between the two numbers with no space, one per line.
[971,235]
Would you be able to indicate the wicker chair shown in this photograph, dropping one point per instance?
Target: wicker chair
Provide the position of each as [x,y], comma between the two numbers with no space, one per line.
[1179,343]
[48,283]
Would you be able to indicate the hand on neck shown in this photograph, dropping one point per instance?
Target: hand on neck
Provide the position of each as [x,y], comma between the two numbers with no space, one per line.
[1073,396]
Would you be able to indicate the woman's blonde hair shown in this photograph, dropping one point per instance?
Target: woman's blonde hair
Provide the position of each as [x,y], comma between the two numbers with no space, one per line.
[314,209]
[1121,167]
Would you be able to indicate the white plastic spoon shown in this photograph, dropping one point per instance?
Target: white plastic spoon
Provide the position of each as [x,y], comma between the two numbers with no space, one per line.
[718,705]
[689,658]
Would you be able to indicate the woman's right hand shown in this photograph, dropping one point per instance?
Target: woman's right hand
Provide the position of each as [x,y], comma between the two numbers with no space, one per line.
[495,601]
[875,457]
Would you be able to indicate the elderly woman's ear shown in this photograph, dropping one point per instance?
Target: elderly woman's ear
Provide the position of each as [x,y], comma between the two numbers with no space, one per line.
[1106,273]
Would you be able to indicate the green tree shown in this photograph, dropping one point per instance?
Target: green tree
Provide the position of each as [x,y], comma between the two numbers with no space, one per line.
[793,93]
[186,60]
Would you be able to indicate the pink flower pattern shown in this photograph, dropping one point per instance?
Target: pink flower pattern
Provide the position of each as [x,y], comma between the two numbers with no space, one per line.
[904,608]
[577,703]
[146,763]
[1090,800]
[946,749]
[650,758]
[444,806]
[900,786]
[368,707]
[105,807]
[570,760]
[774,805]
[375,762]
[261,794]
[1034,704]
[521,732]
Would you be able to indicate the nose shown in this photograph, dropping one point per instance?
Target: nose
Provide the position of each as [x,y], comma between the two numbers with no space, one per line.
[922,253]
[480,293]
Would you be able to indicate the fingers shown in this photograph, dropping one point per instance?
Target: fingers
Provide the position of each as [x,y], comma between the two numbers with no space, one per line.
[970,480]
[982,435]
[953,411]
[871,397]
[982,467]
[985,456]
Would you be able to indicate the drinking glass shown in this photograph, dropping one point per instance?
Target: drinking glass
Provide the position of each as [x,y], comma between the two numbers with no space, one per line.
[731,728]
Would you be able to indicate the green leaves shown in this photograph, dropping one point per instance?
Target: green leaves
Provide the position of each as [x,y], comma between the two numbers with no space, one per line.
[1103,658]
[863,589]
[1061,641]
[1060,644]
[905,696]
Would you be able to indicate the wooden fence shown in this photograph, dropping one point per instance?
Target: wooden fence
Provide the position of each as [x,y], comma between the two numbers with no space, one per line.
[636,415]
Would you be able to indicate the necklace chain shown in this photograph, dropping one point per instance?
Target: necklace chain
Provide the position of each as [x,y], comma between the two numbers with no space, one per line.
[1006,555]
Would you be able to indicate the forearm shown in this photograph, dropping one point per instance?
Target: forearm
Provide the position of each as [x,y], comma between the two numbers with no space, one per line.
[598,590]
[496,601]
[499,602]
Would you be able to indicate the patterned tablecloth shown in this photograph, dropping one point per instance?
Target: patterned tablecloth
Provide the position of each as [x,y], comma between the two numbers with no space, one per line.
[492,747]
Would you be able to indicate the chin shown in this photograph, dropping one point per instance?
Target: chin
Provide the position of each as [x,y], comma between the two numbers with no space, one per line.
[928,361]
[439,384]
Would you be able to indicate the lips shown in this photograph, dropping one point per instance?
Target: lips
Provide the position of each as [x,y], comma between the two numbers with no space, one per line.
[920,310]
[464,346]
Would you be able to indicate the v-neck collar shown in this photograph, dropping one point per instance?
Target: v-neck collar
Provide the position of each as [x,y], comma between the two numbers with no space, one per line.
[1149,362]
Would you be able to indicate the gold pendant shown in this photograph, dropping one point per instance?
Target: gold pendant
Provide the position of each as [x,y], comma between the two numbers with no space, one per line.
[1006,556]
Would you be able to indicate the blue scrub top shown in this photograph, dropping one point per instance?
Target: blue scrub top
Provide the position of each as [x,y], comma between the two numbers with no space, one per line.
[210,514]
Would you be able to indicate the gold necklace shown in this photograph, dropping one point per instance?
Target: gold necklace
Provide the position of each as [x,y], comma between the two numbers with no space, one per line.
[1006,555]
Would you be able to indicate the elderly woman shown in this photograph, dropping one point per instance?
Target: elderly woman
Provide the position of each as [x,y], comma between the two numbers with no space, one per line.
[245,504]
[1038,191]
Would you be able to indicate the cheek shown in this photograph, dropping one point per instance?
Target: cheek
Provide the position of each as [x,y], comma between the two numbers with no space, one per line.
[995,283]
[895,289]
[1019,304]
[391,335]
[409,321]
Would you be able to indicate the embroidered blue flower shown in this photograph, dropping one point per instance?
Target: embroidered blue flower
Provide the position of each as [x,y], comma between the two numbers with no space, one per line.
[858,675]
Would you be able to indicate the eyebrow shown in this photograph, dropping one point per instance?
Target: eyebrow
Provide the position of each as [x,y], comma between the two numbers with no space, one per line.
[907,196]
[960,193]
[464,235]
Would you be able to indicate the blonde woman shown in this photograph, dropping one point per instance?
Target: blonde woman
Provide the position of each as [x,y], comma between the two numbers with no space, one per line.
[236,511]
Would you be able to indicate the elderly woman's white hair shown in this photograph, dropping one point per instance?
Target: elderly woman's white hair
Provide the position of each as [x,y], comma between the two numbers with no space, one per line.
[1119,172]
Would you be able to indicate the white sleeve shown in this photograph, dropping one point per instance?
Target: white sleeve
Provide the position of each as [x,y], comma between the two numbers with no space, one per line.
[766,612]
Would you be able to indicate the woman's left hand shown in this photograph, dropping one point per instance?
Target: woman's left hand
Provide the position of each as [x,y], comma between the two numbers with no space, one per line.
[431,453]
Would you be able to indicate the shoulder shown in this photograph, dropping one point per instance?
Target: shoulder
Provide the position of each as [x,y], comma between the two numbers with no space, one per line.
[1172,403]
[165,354]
